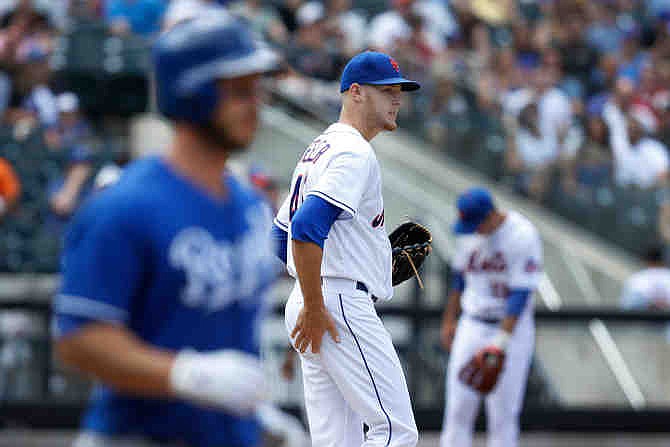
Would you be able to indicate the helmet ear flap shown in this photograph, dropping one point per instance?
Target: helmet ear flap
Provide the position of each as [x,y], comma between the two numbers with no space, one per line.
[198,107]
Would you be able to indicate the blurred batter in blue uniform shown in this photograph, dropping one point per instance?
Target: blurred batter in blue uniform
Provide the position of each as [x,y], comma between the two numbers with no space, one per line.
[164,273]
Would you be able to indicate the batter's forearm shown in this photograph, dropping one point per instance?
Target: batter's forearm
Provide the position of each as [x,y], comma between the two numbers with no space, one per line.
[116,357]
[308,257]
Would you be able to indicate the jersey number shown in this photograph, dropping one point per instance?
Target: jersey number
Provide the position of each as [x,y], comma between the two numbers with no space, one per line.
[499,290]
[296,196]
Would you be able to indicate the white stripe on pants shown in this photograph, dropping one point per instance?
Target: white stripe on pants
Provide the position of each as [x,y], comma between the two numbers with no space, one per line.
[357,380]
[503,404]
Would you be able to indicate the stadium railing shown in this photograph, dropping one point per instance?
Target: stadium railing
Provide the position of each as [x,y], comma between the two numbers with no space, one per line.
[423,363]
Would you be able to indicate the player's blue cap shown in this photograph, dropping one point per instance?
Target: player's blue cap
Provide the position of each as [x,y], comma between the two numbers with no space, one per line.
[474,205]
[371,67]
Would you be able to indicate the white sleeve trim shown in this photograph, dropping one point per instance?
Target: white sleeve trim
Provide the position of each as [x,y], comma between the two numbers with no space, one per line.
[343,206]
[79,306]
[281,224]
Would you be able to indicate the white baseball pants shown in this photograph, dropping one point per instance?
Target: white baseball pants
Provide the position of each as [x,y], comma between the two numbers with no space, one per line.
[503,404]
[359,380]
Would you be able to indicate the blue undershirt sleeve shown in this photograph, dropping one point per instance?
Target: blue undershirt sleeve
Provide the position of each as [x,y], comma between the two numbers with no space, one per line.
[516,301]
[312,221]
[280,238]
[458,281]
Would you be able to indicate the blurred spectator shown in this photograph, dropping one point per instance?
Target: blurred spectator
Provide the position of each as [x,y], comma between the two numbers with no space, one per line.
[554,111]
[180,10]
[657,7]
[142,17]
[640,161]
[446,106]
[416,52]
[59,11]
[616,105]
[72,137]
[603,78]
[67,191]
[346,26]
[509,74]
[578,58]
[288,12]
[37,103]
[34,15]
[308,52]
[485,24]
[394,27]
[25,44]
[594,163]
[530,156]
[631,57]
[262,18]
[648,289]
[10,188]
[603,33]
[660,100]
[87,10]
[72,128]
[5,93]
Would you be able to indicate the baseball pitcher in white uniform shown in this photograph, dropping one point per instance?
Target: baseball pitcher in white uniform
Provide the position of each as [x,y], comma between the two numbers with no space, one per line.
[488,322]
[331,232]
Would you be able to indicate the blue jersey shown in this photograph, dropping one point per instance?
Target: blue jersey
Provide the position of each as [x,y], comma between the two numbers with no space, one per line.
[180,269]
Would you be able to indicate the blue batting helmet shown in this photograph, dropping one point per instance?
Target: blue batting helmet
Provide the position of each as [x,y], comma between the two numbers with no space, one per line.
[189,59]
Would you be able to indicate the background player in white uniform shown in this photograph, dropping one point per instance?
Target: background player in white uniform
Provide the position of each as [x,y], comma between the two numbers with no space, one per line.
[496,271]
[650,287]
[340,253]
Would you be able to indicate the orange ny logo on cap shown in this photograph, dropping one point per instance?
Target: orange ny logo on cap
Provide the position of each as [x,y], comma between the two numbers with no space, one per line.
[395,65]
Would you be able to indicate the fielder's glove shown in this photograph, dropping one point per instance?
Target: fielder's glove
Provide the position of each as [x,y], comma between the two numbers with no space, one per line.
[228,379]
[481,373]
[411,244]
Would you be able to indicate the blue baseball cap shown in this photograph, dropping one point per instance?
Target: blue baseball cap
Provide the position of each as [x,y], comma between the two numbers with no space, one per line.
[474,205]
[373,68]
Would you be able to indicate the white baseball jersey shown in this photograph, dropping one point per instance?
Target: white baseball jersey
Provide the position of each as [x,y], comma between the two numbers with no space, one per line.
[647,288]
[340,167]
[510,258]
[360,379]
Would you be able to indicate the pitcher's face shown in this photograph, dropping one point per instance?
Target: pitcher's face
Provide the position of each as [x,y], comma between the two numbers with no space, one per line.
[383,102]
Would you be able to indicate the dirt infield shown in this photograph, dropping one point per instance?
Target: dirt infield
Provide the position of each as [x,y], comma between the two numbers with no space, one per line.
[20,438]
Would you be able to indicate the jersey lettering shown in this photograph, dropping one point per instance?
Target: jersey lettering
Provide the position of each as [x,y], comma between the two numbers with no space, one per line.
[210,266]
[296,196]
[494,264]
[315,151]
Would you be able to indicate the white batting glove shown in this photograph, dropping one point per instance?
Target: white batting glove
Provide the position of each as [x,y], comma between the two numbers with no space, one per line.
[228,379]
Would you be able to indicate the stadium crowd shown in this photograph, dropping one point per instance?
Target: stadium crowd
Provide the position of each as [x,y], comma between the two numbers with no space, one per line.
[576,93]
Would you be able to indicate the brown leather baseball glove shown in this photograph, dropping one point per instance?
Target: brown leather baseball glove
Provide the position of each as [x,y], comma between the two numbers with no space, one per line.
[411,245]
[481,373]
